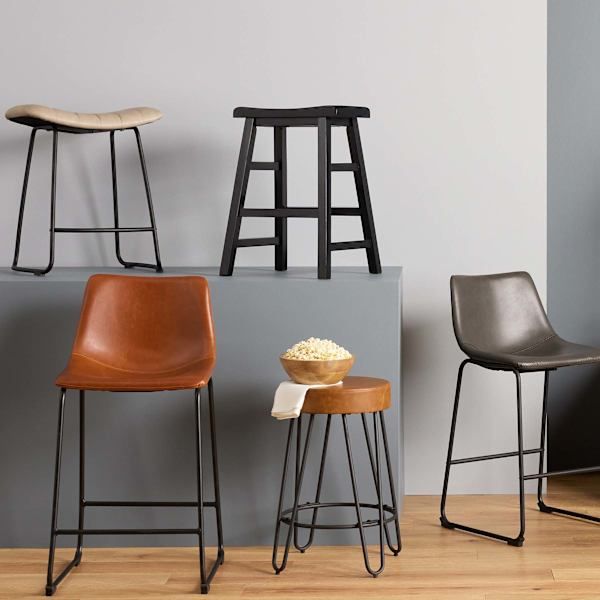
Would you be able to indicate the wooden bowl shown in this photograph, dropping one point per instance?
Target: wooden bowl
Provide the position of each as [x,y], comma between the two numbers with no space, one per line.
[314,372]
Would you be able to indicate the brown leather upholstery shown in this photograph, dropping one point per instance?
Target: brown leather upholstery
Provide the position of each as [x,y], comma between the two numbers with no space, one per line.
[142,334]
[354,395]
[500,319]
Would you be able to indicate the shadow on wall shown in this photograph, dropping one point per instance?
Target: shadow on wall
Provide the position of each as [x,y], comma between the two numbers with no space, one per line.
[84,195]
[573,401]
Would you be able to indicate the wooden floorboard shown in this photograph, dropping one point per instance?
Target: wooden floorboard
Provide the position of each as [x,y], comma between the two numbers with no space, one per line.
[559,561]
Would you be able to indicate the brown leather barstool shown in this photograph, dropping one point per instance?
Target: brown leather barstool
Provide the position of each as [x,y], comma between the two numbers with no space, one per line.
[57,121]
[500,324]
[141,334]
[355,396]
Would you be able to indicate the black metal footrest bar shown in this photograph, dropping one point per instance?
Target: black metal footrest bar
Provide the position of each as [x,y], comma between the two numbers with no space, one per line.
[266,241]
[113,503]
[461,461]
[318,505]
[101,229]
[125,531]
[563,472]
[350,245]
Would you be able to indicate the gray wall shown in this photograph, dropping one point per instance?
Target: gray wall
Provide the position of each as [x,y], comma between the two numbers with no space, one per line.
[456,154]
[573,222]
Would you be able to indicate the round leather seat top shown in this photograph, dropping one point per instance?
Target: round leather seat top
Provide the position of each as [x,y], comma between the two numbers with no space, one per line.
[354,395]
[36,115]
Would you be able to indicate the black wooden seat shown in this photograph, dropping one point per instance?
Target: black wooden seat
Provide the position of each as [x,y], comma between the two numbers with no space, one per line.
[345,112]
[323,118]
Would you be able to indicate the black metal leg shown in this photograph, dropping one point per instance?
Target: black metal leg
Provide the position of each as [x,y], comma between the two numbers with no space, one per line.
[115,191]
[23,197]
[394,549]
[48,268]
[516,541]
[204,585]
[51,583]
[280,156]
[215,465]
[158,265]
[373,572]
[324,207]
[318,494]
[288,446]
[79,550]
[540,498]
[364,198]
[239,195]
[297,490]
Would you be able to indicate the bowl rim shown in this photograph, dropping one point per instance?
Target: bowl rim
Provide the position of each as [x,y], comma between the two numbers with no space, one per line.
[320,360]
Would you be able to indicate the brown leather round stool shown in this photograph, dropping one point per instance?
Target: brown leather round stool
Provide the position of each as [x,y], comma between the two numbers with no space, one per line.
[141,334]
[355,396]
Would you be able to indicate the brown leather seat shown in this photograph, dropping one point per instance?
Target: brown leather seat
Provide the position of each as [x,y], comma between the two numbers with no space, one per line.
[354,395]
[499,320]
[142,334]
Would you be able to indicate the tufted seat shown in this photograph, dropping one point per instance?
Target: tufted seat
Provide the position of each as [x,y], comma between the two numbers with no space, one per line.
[36,115]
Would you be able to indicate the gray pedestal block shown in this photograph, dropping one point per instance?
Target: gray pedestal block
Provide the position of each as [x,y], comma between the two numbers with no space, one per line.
[141,446]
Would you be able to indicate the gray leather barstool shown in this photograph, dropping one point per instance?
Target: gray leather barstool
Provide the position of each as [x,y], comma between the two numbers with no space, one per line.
[500,324]
[51,119]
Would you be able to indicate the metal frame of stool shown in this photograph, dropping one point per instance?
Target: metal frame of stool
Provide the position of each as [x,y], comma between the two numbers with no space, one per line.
[386,513]
[520,453]
[205,577]
[117,230]
[323,212]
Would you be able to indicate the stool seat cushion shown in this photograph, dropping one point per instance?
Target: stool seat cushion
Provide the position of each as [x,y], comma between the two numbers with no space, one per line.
[344,112]
[36,115]
[354,395]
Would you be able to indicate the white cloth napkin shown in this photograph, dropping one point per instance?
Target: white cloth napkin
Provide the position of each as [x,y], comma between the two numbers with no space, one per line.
[289,399]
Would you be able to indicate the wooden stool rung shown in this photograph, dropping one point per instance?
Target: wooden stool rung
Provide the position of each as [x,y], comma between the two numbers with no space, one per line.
[350,245]
[344,167]
[264,166]
[304,212]
[266,241]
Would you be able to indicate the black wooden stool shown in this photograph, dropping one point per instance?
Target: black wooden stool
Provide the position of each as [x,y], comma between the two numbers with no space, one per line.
[324,118]
[356,395]
[51,119]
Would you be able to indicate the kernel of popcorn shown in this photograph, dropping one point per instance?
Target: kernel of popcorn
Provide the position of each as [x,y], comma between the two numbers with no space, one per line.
[316,349]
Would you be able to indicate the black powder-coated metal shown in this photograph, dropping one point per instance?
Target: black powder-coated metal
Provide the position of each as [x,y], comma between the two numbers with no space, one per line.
[520,453]
[280,213]
[116,229]
[385,513]
[205,577]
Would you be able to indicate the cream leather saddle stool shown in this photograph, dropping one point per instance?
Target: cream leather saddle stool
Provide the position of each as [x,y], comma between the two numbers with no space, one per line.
[50,119]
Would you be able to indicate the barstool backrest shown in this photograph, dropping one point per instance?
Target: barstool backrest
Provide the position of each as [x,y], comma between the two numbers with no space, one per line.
[497,313]
[146,324]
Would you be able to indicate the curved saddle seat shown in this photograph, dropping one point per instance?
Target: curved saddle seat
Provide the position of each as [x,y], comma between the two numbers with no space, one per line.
[499,320]
[355,395]
[142,334]
[36,115]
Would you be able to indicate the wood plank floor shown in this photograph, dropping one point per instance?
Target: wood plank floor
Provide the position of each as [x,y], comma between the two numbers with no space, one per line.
[559,561]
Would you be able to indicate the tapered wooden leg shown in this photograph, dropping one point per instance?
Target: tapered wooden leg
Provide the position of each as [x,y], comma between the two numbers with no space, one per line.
[324,208]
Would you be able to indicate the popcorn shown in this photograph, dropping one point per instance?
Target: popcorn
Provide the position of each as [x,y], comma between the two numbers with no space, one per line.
[316,349]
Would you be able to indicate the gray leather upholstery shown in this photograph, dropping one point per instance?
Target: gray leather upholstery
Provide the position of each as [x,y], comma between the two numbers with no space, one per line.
[499,319]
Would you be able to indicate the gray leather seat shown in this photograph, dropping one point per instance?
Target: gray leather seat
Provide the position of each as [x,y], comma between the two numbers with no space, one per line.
[499,320]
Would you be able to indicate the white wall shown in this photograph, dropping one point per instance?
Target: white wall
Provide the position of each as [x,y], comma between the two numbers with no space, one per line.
[455,149]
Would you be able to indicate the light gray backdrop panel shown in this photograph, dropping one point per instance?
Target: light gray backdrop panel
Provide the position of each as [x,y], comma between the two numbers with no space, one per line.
[141,446]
